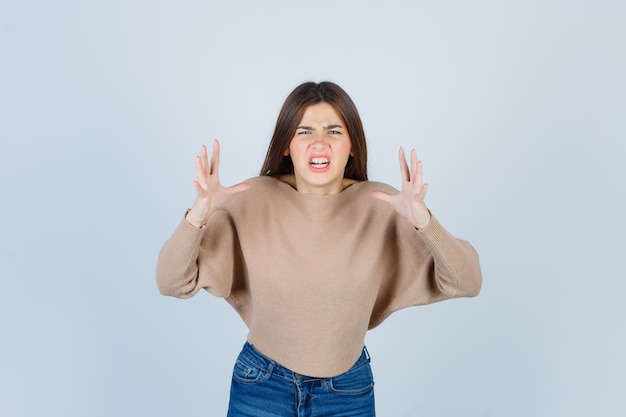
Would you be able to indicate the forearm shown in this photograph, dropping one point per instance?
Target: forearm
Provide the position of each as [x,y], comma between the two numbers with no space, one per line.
[457,267]
[177,264]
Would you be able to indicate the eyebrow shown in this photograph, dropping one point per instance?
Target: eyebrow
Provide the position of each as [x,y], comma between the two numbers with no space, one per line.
[326,127]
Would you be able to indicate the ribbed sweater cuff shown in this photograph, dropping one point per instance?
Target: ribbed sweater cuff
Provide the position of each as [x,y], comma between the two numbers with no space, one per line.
[436,235]
[188,233]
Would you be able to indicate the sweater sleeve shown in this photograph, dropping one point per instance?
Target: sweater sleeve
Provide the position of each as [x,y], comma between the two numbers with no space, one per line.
[456,271]
[425,266]
[194,258]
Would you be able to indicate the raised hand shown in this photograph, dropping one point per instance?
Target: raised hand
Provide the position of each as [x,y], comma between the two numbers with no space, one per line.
[409,203]
[211,194]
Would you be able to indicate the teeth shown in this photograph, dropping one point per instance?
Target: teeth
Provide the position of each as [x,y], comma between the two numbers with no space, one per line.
[320,161]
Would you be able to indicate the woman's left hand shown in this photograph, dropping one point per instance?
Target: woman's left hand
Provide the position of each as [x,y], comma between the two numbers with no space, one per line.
[409,203]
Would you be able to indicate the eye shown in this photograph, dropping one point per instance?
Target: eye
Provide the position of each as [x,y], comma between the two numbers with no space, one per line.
[334,132]
[303,132]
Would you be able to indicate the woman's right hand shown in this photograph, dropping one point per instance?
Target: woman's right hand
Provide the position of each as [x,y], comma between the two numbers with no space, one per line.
[211,194]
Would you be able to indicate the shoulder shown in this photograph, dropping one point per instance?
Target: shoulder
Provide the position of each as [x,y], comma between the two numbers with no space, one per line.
[370,186]
[264,184]
[363,191]
[359,197]
[262,189]
[261,181]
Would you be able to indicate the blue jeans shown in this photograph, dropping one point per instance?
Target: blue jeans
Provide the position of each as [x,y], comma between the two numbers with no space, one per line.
[263,388]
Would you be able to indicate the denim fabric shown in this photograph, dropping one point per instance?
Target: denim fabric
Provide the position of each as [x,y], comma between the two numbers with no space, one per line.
[263,388]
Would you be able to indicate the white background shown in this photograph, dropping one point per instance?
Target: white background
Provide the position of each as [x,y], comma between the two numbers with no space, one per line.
[517,108]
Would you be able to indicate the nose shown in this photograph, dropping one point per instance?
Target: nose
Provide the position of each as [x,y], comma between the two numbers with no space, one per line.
[319,141]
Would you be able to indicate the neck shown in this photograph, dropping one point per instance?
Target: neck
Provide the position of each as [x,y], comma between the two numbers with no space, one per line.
[291,180]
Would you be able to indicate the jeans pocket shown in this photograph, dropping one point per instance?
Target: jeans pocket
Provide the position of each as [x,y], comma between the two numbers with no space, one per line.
[354,382]
[246,372]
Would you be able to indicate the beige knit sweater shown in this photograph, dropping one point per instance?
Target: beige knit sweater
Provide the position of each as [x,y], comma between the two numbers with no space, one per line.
[310,274]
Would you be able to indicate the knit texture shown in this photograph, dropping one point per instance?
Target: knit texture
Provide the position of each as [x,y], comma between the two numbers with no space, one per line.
[310,274]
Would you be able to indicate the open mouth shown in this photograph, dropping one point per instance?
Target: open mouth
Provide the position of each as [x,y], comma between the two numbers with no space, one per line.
[319,162]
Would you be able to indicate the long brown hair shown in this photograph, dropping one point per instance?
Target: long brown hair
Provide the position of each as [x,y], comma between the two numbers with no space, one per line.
[303,96]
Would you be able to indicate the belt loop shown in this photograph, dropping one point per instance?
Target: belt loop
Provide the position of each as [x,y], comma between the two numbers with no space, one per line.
[367,354]
[269,371]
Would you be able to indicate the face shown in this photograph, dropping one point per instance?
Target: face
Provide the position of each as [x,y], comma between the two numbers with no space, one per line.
[320,150]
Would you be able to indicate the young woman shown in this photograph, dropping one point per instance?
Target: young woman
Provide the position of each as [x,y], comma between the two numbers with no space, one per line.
[312,255]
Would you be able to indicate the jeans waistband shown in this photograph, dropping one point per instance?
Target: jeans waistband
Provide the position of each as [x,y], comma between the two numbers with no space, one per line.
[252,354]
